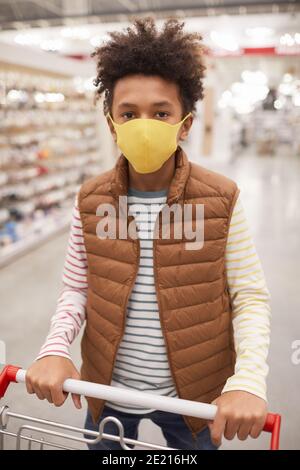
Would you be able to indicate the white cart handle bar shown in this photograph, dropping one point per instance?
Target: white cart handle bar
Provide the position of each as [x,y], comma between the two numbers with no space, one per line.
[132,397]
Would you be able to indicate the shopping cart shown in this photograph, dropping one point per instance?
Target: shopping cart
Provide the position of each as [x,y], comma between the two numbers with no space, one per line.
[26,432]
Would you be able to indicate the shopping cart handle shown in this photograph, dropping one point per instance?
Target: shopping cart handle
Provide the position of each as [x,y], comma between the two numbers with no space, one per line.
[176,405]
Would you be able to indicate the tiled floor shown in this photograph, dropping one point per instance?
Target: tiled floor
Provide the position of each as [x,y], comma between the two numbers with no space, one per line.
[270,190]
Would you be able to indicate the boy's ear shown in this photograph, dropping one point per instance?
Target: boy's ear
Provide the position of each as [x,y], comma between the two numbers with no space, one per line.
[111,128]
[186,128]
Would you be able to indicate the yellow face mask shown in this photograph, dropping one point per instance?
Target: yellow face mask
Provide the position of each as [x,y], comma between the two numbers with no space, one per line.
[147,143]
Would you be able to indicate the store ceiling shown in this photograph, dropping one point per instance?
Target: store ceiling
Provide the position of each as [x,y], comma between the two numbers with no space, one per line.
[224,34]
[14,13]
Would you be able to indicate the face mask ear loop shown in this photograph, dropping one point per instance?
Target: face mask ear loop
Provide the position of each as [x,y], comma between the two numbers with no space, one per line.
[111,119]
[189,114]
[182,120]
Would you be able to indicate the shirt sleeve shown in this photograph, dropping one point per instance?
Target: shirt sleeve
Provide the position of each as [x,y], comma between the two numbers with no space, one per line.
[70,311]
[251,311]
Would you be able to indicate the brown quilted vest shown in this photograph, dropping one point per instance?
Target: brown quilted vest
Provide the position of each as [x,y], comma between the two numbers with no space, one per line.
[191,285]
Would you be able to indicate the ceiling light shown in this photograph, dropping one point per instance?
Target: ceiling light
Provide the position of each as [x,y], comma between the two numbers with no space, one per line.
[297,38]
[97,40]
[27,39]
[52,45]
[224,41]
[287,40]
[75,33]
[259,32]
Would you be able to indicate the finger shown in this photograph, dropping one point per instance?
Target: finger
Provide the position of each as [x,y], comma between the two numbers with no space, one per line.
[76,400]
[217,428]
[45,390]
[257,428]
[38,392]
[244,430]
[231,429]
[211,422]
[29,386]
[58,396]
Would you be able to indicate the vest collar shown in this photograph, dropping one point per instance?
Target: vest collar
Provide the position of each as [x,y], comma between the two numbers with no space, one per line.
[119,181]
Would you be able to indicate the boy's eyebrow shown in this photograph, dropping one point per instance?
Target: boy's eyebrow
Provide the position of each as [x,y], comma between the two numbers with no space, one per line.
[132,105]
[127,105]
[163,103]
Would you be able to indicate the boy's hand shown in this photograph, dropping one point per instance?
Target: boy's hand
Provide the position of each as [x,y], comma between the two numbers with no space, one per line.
[240,413]
[46,376]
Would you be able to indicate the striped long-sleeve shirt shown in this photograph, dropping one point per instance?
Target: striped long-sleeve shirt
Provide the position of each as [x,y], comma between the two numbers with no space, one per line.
[141,361]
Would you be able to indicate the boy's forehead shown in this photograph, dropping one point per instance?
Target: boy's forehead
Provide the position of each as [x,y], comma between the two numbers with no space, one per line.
[140,90]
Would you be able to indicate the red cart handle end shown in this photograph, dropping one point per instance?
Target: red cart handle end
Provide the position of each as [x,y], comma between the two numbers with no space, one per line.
[8,374]
[272,425]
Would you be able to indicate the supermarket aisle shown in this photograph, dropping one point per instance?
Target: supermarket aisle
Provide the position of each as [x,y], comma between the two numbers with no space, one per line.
[29,289]
[271,194]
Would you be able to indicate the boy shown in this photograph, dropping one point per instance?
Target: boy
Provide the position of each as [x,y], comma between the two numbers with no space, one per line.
[160,318]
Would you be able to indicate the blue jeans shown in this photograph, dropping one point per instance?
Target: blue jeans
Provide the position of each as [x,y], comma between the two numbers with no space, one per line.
[173,427]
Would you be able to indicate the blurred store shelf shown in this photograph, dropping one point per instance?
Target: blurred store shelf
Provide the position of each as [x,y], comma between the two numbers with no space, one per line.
[50,142]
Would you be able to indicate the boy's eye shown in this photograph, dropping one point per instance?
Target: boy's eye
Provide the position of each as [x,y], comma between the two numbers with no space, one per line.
[130,115]
[162,114]
[127,115]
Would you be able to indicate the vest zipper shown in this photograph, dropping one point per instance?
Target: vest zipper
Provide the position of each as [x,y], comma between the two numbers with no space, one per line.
[194,434]
[124,313]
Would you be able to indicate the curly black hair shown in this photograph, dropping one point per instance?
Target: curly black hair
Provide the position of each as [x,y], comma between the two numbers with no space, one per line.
[171,53]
